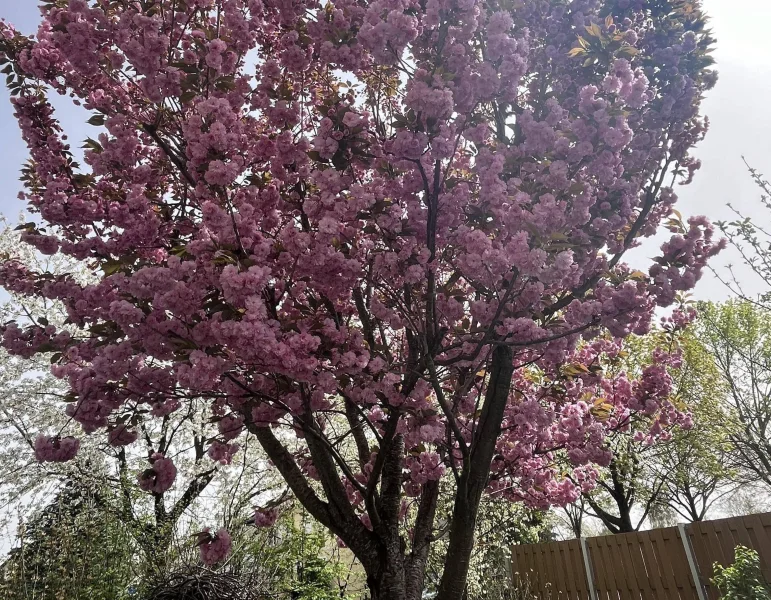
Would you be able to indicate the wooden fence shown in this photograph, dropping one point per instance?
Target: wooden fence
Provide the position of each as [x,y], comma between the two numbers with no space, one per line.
[647,565]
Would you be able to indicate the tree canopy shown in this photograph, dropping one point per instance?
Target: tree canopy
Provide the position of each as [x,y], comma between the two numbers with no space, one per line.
[371,234]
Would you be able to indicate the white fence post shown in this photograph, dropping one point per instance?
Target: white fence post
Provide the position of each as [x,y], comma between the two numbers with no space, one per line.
[589,572]
[691,562]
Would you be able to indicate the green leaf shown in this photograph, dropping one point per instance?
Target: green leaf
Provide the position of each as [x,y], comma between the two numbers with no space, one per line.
[627,51]
[594,30]
[97,119]
[187,97]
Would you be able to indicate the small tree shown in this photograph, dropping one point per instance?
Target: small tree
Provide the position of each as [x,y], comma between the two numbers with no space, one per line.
[737,334]
[35,402]
[696,464]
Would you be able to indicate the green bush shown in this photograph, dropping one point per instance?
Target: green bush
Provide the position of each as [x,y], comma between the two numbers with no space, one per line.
[743,580]
[301,561]
[72,549]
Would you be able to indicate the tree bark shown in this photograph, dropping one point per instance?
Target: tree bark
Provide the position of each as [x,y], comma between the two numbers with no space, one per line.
[415,569]
[473,479]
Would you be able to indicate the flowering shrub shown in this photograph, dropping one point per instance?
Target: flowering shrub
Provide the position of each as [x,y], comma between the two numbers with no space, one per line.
[370,233]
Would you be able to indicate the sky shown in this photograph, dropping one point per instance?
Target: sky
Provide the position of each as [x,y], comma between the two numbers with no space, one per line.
[738,109]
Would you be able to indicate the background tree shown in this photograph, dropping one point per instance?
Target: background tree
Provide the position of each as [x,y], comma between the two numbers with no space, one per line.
[696,464]
[753,243]
[684,475]
[737,336]
[631,486]
[380,229]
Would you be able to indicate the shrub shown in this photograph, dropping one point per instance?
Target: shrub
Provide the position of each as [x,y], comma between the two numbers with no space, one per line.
[743,580]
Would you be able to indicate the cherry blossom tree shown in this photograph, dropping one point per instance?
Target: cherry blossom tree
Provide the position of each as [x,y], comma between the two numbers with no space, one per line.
[370,233]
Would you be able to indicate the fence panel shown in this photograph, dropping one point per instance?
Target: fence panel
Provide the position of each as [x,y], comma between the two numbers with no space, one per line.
[552,570]
[647,565]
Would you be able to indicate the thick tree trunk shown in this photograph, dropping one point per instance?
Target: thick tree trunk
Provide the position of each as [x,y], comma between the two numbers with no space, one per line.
[474,478]
[389,583]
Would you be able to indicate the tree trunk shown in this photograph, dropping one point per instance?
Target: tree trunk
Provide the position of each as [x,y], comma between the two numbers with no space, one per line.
[625,513]
[389,583]
[475,475]
[415,565]
[458,559]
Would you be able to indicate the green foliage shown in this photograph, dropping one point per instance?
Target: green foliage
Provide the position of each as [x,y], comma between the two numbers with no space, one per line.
[73,549]
[679,478]
[500,525]
[296,560]
[696,462]
[743,580]
[737,336]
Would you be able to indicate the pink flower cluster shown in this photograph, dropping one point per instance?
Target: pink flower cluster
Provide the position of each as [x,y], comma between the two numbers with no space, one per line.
[265,517]
[214,547]
[56,449]
[221,452]
[160,476]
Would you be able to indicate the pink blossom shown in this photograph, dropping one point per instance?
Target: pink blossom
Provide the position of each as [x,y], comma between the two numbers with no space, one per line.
[160,476]
[55,449]
[265,517]
[231,426]
[222,453]
[214,548]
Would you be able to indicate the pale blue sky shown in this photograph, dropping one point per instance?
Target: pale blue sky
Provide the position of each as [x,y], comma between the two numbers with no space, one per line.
[737,107]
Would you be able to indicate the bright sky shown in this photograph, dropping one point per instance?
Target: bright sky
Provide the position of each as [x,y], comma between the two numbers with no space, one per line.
[737,108]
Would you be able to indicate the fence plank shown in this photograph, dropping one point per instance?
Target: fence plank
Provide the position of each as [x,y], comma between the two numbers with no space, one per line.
[614,576]
[702,556]
[761,542]
[652,565]
[558,573]
[632,547]
[571,577]
[578,567]
[725,541]
[599,566]
[685,540]
[630,589]
[576,577]
[663,558]
[679,564]
[739,532]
